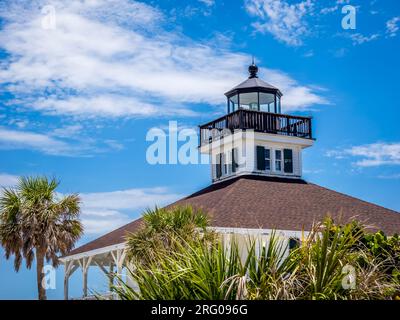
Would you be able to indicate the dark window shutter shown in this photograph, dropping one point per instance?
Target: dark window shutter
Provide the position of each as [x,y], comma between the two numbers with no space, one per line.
[288,160]
[218,165]
[234,164]
[260,158]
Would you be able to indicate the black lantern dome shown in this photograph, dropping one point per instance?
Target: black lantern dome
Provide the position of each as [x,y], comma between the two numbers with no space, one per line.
[254,94]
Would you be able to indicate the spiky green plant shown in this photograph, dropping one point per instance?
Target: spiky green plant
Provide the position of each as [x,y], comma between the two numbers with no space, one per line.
[207,266]
[195,269]
[323,255]
[34,221]
[204,267]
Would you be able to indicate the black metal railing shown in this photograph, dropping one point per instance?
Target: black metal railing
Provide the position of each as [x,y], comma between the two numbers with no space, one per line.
[259,121]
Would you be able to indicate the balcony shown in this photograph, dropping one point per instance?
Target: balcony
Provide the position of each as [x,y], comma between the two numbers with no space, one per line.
[267,122]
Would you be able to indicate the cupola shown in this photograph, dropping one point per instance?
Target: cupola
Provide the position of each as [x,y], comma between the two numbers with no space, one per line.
[254,94]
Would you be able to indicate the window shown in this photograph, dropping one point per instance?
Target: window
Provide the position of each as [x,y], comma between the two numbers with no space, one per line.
[233,103]
[249,100]
[267,102]
[260,151]
[278,160]
[267,153]
[224,164]
[218,168]
[288,160]
[234,157]
[278,104]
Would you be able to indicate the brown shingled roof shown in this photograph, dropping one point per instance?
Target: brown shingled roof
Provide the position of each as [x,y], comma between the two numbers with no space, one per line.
[270,203]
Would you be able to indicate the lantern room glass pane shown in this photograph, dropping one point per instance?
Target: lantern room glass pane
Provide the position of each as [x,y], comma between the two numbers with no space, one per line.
[249,100]
[233,103]
[267,102]
[278,105]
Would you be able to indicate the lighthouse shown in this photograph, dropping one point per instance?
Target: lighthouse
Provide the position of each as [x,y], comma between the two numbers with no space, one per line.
[255,136]
[256,188]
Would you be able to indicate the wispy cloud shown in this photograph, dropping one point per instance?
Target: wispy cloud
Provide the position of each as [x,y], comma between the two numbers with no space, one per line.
[107,105]
[15,139]
[309,54]
[327,10]
[370,155]
[208,3]
[390,176]
[105,211]
[358,38]
[135,69]
[286,22]
[340,53]
[392,26]
[7,180]
[296,96]
[63,141]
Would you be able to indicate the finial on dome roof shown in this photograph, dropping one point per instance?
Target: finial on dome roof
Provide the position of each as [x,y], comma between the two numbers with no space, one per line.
[253,69]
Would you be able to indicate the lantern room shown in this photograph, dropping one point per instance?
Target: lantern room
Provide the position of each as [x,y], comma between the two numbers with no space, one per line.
[254,94]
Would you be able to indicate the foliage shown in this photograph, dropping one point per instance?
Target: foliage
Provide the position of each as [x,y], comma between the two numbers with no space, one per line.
[34,221]
[159,225]
[207,266]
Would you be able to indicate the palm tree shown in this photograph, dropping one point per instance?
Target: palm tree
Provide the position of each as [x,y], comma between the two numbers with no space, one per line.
[159,225]
[34,220]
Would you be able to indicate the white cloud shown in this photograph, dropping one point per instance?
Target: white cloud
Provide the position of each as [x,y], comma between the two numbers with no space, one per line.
[392,26]
[359,38]
[371,155]
[8,180]
[338,3]
[18,122]
[14,139]
[134,69]
[106,211]
[106,105]
[327,10]
[340,53]
[67,131]
[390,176]
[286,22]
[295,96]
[309,54]
[208,3]
[60,142]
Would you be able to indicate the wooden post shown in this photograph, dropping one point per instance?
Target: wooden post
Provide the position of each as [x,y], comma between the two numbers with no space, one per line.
[119,257]
[84,273]
[85,267]
[66,277]
[69,269]
[111,276]
[119,268]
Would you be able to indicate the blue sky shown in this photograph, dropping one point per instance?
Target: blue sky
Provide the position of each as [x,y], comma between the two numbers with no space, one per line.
[77,98]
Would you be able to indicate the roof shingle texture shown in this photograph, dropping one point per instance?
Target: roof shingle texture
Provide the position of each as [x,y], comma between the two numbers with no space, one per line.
[270,203]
